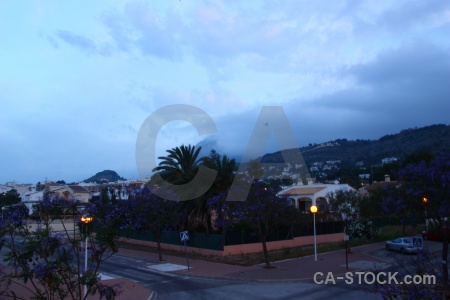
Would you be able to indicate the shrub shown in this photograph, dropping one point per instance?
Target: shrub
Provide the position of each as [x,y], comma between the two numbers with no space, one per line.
[362,229]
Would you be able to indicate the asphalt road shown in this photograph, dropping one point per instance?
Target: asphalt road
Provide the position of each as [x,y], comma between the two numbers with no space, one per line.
[167,285]
[174,286]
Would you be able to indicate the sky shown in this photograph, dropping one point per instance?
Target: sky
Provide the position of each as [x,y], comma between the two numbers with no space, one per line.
[79,79]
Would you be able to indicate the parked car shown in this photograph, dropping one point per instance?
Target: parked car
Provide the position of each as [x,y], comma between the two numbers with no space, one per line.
[405,244]
[433,235]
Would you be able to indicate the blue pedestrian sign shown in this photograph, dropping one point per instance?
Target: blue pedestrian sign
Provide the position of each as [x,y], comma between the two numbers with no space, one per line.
[184,236]
[417,242]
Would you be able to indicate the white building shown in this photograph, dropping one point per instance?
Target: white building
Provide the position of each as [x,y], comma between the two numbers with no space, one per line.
[303,196]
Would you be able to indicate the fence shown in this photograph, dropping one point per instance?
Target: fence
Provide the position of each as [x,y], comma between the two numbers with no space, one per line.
[196,239]
[238,236]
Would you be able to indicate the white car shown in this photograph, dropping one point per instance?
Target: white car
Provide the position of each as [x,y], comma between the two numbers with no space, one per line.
[405,244]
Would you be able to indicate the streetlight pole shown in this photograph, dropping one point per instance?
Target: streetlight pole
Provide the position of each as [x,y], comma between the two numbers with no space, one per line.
[86,221]
[425,201]
[314,211]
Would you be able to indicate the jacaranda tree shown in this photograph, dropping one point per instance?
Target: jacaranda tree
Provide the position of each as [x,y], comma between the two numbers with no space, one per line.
[262,211]
[151,213]
[47,264]
[431,180]
[424,189]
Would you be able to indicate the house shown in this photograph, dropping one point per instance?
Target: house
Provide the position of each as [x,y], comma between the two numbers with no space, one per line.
[388,160]
[79,193]
[370,189]
[69,192]
[29,199]
[304,196]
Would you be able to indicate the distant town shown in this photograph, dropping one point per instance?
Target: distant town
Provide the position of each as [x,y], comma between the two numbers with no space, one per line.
[122,189]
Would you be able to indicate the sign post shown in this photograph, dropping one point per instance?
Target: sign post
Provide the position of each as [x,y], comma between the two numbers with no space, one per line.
[184,236]
[418,243]
[346,238]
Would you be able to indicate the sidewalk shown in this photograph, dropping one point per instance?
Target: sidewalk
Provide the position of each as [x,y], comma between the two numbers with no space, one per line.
[296,269]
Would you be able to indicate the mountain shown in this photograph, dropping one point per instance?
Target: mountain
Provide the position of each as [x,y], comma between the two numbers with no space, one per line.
[342,153]
[104,177]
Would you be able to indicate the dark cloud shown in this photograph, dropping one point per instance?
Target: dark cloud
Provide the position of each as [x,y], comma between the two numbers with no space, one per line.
[402,88]
[409,83]
[418,63]
[411,14]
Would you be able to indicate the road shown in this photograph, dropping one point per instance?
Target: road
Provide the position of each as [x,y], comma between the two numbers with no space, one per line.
[168,285]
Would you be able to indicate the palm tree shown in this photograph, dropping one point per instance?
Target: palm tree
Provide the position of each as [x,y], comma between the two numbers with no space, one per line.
[177,168]
[181,165]
[225,168]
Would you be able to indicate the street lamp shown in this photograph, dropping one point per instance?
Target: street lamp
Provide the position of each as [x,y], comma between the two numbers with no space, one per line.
[86,221]
[313,210]
[425,201]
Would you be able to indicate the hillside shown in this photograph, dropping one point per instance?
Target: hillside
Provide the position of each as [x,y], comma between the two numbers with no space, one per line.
[104,177]
[366,153]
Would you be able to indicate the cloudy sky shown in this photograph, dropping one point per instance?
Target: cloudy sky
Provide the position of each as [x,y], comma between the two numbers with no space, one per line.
[79,78]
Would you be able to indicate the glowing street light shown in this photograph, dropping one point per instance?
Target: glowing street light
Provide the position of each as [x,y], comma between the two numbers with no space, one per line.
[86,221]
[313,210]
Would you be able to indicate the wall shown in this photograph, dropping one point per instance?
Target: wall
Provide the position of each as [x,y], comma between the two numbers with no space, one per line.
[250,248]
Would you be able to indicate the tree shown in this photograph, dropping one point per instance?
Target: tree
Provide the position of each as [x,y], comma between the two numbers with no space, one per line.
[177,168]
[430,180]
[263,211]
[400,204]
[344,204]
[39,186]
[104,195]
[9,198]
[347,175]
[150,213]
[372,205]
[422,265]
[181,165]
[424,191]
[255,169]
[47,263]
[225,168]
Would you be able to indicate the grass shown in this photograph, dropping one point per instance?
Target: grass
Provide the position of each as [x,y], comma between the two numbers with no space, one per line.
[387,233]
[392,232]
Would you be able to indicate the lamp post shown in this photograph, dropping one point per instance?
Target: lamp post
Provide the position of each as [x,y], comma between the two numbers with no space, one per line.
[425,201]
[86,221]
[313,210]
